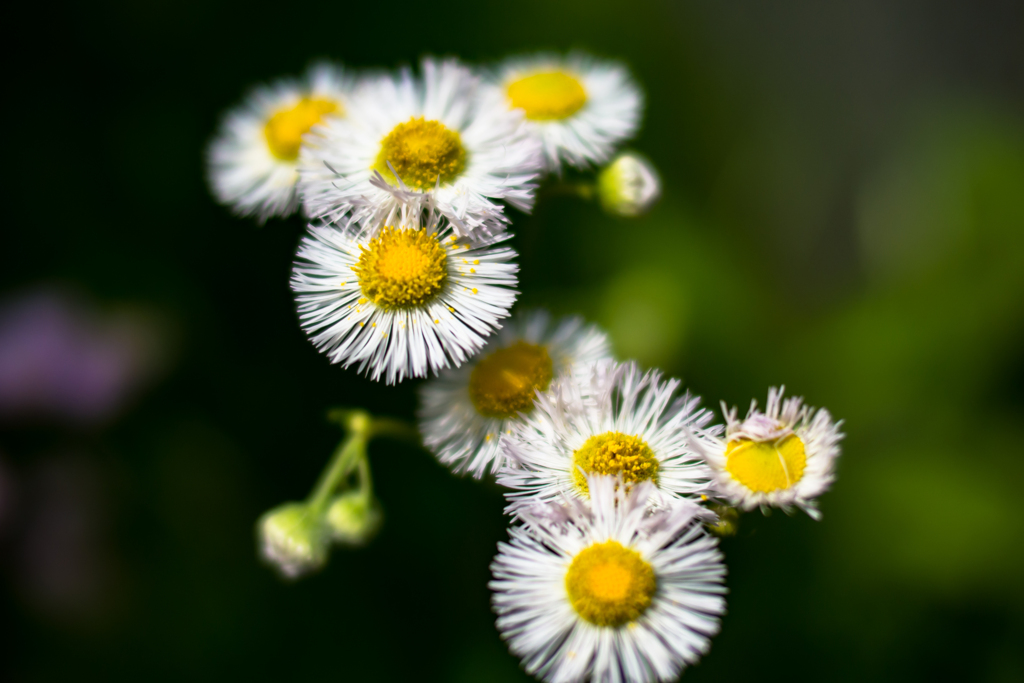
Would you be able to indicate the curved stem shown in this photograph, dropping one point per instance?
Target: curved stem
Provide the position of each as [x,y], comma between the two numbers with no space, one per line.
[583,190]
[399,430]
[351,455]
[365,480]
[347,455]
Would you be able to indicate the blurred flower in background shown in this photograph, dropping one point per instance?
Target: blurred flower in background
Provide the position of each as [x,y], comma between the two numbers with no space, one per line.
[63,360]
[70,368]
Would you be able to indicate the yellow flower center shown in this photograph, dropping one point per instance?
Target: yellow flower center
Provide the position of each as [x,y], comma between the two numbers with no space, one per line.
[765,466]
[610,585]
[402,268]
[421,152]
[284,130]
[614,453]
[548,96]
[504,383]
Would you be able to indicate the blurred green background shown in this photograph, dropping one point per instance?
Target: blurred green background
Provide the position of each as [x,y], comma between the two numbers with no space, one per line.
[843,212]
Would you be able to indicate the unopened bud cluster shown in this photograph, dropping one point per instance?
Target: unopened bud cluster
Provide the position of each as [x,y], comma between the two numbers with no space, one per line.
[295,538]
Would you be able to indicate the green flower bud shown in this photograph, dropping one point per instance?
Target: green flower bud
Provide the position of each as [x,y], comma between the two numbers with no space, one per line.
[352,519]
[292,540]
[628,186]
[728,522]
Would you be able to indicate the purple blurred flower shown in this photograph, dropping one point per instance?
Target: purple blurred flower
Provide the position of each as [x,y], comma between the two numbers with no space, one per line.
[62,359]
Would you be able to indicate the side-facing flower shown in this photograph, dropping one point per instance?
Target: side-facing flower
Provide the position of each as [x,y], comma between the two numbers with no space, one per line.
[628,186]
[465,410]
[608,591]
[412,140]
[608,419]
[782,457]
[403,300]
[253,160]
[579,107]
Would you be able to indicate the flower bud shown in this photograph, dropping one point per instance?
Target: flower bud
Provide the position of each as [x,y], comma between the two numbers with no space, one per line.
[628,186]
[727,523]
[353,519]
[293,540]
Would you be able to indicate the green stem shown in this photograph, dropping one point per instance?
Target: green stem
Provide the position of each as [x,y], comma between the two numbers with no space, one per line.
[399,430]
[349,453]
[583,190]
[365,480]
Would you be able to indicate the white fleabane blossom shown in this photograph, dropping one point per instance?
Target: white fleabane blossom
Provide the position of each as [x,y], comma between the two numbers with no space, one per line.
[782,457]
[610,419]
[580,107]
[408,300]
[408,141]
[253,160]
[465,410]
[608,591]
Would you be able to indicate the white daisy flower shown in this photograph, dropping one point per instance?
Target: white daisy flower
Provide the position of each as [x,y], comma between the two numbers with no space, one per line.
[411,299]
[464,411]
[409,141]
[783,457]
[608,591]
[610,419]
[578,106]
[253,161]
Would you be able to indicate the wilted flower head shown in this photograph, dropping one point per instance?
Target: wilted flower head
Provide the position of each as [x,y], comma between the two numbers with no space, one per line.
[782,457]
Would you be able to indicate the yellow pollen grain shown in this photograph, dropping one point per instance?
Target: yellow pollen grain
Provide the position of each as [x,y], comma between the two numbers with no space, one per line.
[476,262]
[284,130]
[766,466]
[609,584]
[475,291]
[421,151]
[614,453]
[504,382]
[401,269]
[547,96]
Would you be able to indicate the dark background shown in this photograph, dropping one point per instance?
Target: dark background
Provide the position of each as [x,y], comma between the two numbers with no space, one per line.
[843,212]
